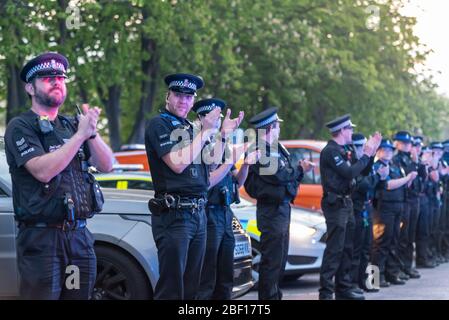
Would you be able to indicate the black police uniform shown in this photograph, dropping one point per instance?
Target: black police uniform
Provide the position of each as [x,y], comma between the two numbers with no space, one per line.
[423,257]
[218,270]
[178,209]
[337,179]
[445,202]
[362,198]
[435,217]
[410,214]
[389,208]
[274,190]
[217,274]
[52,216]
[52,234]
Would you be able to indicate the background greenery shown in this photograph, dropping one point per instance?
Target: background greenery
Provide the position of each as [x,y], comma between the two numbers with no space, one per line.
[315,59]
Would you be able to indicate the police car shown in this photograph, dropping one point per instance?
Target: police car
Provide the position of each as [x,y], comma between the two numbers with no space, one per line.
[307,228]
[307,239]
[127,264]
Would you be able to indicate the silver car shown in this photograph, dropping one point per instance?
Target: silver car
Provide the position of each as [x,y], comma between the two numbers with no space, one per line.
[307,239]
[127,265]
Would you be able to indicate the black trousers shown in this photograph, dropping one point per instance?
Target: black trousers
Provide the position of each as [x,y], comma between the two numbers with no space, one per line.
[49,260]
[363,239]
[423,230]
[337,257]
[273,221]
[445,211]
[407,236]
[180,237]
[218,274]
[435,231]
[385,245]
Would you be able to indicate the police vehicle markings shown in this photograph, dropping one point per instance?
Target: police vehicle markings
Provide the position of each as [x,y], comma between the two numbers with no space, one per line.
[241,249]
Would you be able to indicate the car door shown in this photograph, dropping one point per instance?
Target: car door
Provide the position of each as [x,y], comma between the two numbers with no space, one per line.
[9,275]
[310,189]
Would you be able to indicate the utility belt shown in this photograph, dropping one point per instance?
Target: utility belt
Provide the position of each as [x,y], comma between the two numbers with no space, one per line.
[163,204]
[64,226]
[332,198]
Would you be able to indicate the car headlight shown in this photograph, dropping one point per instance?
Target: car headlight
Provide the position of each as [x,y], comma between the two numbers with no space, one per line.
[301,231]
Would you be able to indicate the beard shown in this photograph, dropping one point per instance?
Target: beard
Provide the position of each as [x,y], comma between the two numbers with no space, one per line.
[48,100]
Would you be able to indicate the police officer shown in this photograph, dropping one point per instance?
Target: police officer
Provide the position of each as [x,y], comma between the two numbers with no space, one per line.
[409,219]
[181,179]
[445,198]
[217,273]
[390,198]
[337,178]
[438,220]
[53,193]
[362,199]
[273,181]
[423,255]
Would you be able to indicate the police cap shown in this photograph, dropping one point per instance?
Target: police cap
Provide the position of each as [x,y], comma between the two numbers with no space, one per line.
[386,143]
[358,139]
[340,123]
[403,136]
[48,64]
[265,118]
[184,82]
[203,107]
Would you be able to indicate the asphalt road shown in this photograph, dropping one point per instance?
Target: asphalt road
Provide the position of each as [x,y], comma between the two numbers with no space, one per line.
[433,285]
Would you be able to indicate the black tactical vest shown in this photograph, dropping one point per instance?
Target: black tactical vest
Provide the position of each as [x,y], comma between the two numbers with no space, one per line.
[74,182]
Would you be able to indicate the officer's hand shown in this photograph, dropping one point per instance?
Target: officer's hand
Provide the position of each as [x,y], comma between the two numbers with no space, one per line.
[253,157]
[412,175]
[383,171]
[87,122]
[229,125]
[210,122]
[306,165]
[372,144]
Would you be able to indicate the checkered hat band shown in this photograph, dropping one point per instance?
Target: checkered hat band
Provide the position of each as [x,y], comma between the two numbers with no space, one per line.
[269,120]
[49,65]
[206,108]
[183,83]
[359,142]
[341,125]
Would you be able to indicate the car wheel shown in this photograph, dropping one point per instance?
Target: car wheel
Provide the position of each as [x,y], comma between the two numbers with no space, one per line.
[119,277]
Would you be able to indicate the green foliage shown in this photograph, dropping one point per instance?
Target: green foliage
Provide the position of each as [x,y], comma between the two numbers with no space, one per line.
[314,59]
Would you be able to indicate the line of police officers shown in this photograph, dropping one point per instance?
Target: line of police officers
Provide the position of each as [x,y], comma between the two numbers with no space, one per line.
[404,197]
[381,205]
[195,183]
[192,218]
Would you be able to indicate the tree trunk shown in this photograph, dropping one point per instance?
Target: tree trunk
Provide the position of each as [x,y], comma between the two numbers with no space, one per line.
[150,70]
[113,116]
[62,24]
[16,101]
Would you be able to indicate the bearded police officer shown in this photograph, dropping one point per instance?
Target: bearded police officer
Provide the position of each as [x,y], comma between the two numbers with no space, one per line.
[181,180]
[273,181]
[337,178]
[218,273]
[53,193]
